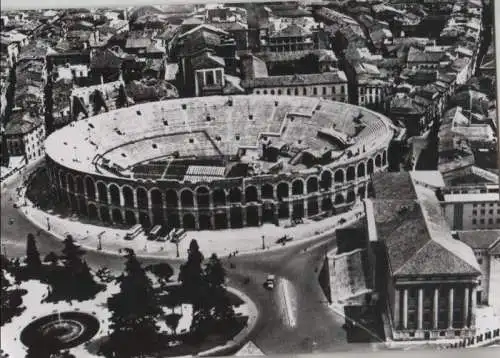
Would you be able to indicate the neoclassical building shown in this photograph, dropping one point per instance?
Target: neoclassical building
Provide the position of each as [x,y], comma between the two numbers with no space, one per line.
[427,279]
[218,162]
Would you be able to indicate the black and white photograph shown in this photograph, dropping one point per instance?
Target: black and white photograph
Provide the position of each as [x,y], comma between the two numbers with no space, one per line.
[196,179]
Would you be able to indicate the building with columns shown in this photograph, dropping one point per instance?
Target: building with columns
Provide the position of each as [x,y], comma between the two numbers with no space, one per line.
[426,279]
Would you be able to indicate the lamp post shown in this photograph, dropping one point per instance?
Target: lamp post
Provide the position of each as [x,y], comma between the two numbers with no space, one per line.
[177,247]
[48,224]
[263,243]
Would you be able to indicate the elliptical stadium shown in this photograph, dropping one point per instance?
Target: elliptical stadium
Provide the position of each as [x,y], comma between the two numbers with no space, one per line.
[218,162]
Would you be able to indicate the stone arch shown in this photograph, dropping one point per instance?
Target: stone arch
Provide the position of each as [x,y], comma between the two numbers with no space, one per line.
[205,222]
[351,196]
[252,216]
[128,196]
[361,170]
[103,210]
[189,221]
[297,187]
[312,184]
[268,214]
[203,197]
[114,192]
[187,198]
[236,217]
[83,206]
[282,190]
[93,212]
[267,191]
[326,204]
[361,192]
[219,197]
[117,216]
[62,179]
[351,173]
[80,188]
[339,176]
[156,197]
[130,218]
[312,206]
[369,166]
[251,194]
[235,195]
[326,180]
[103,192]
[283,211]
[378,161]
[339,199]
[220,220]
[158,218]
[171,198]
[142,198]
[173,221]
[73,203]
[144,220]
[71,183]
[298,210]
[90,187]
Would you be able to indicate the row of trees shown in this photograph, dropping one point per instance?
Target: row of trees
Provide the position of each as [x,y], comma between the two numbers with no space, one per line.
[137,307]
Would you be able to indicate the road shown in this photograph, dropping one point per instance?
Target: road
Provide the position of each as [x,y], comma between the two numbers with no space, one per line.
[317,328]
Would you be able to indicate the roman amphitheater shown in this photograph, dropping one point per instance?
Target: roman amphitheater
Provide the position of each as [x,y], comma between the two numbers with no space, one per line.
[218,162]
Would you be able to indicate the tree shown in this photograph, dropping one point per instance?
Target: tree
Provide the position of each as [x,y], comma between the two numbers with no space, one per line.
[10,300]
[52,258]
[32,254]
[217,296]
[134,311]
[172,321]
[191,275]
[72,256]
[163,271]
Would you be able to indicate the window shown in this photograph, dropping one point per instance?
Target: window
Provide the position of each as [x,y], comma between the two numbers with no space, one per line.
[279,91]
[480,261]
[265,91]
[324,90]
[315,91]
[474,221]
[491,211]
[342,89]
[272,91]
[304,91]
[361,91]
[498,220]
[474,212]
[481,221]
[296,91]
[333,89]
[288,92]
[257,92]
[474,205]
[483,211]
[490,221]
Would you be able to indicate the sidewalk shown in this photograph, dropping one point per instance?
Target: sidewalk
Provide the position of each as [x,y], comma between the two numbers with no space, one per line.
[221,242]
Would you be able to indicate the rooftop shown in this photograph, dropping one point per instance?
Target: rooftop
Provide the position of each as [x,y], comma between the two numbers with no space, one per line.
[480,239]
[416,235]
[469,197]
[21,123]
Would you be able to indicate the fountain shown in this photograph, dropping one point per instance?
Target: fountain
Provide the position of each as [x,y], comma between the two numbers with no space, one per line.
[67,329]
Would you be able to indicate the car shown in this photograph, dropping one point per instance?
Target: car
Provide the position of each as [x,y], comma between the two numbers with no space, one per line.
[269,284]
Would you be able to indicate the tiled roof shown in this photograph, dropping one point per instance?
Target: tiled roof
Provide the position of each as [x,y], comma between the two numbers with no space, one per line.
[417,237]
[393,186]
[106,59]
[292,30]
[296,80]
[22,122]
[416,55]
[199,40]
[207,60]
[480,239]
[138,42]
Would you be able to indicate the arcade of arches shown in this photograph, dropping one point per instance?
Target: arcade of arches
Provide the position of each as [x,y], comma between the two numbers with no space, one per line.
[204,208]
